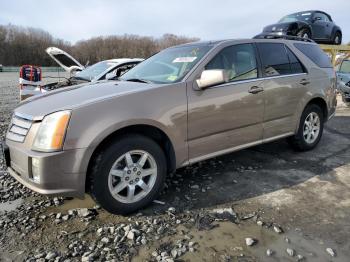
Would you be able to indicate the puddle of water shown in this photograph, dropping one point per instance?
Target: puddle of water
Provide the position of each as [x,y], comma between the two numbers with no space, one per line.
[11,205]
[229,239]
[74,203]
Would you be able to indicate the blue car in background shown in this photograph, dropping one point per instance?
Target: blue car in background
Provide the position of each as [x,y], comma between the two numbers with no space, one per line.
[343,78]
[313,24]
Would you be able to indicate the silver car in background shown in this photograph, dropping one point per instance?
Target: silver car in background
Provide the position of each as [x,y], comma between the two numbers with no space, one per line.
[343,80]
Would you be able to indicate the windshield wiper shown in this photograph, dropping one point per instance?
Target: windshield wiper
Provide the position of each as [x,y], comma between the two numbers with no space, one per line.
[139,80]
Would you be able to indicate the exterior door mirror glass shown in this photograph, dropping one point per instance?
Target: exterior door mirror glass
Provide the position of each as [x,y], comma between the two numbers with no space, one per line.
[110,75]
[212,77]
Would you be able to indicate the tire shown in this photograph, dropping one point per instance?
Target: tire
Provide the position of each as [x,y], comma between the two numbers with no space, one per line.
[300,140]
[304,33]
[337,38]
[347,103]
[114,157]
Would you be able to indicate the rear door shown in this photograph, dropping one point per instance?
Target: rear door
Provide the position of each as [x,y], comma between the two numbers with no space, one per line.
[284,84]
[227,116]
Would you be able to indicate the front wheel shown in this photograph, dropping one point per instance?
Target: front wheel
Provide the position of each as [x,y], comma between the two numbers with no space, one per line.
[310,129]
[304,33]
[128,174]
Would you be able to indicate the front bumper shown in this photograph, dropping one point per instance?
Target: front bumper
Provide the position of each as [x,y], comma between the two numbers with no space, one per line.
[57,173]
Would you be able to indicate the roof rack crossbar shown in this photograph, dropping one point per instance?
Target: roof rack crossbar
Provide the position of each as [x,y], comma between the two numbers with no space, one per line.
[287,37]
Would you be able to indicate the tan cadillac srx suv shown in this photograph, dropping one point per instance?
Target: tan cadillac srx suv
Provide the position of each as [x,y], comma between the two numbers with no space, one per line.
[119,139]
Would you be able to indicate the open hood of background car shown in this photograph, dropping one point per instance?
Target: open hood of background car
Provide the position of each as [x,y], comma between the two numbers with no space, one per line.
[65,60]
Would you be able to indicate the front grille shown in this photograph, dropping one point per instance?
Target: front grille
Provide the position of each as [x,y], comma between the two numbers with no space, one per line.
[19,128]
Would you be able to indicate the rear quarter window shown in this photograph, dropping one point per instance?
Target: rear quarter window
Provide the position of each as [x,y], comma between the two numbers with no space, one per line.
[315,54]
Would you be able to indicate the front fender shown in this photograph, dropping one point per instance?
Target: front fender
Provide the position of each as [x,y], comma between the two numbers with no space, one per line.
[132,122]
[303,25]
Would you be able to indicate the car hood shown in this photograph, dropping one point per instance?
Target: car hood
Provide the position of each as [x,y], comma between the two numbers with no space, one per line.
[65,60]
[71,97]
[283,26]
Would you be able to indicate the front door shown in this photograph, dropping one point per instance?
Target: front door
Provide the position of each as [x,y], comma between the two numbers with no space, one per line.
[227,116]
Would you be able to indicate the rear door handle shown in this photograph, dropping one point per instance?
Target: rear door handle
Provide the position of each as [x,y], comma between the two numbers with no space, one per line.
[255,89]
[304,82]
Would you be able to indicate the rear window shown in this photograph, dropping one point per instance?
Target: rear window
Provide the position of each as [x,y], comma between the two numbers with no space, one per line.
[315,54]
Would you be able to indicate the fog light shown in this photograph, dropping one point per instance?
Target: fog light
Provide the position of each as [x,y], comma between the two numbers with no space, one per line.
[35,170]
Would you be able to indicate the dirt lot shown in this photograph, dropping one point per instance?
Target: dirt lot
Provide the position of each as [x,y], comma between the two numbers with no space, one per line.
[264,190]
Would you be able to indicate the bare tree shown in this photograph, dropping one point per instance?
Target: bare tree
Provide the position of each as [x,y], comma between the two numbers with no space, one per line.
[26,45]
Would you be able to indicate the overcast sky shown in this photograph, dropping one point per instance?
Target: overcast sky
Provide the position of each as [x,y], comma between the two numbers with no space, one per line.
[75,20]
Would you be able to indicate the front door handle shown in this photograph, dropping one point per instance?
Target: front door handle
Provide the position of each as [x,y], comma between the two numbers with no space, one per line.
[304,82]
[255,89]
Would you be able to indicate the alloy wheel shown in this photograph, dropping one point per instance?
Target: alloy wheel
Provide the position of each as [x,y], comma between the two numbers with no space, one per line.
[311,128]
[337,40]
[132,176]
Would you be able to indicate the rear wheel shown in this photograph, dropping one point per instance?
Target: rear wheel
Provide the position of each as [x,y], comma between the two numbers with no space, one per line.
[337,38]
[310,129]
[304,33]
[128,174]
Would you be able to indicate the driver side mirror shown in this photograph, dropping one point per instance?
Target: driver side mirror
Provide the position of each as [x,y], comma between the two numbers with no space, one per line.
[114,74]
[110,75]
[212,77]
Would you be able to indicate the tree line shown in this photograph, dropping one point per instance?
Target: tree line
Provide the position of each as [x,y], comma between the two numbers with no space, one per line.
[26,45]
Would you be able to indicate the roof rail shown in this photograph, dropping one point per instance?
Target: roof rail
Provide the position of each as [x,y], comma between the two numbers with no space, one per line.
[287,37]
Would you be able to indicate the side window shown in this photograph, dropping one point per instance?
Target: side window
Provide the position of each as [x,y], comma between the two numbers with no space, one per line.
[125,68]
[295,65]
[274,58]
[238,60]
[315,54]
[323,17]
[345,66]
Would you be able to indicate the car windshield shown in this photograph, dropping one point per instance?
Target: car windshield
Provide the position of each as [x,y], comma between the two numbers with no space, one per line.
[345,67]
[302,16]
[168,66]
[93,71]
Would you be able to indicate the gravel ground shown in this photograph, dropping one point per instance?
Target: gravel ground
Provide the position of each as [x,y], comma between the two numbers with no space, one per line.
[267,203]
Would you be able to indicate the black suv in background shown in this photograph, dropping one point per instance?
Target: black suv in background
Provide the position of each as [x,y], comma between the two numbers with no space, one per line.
[316,25]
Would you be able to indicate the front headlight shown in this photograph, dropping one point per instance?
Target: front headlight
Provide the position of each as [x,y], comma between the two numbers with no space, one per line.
[51,133]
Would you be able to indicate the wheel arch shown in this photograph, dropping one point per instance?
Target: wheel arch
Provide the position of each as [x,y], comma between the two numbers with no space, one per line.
[147,130]
[307,27]
[335,30]
[318,100]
